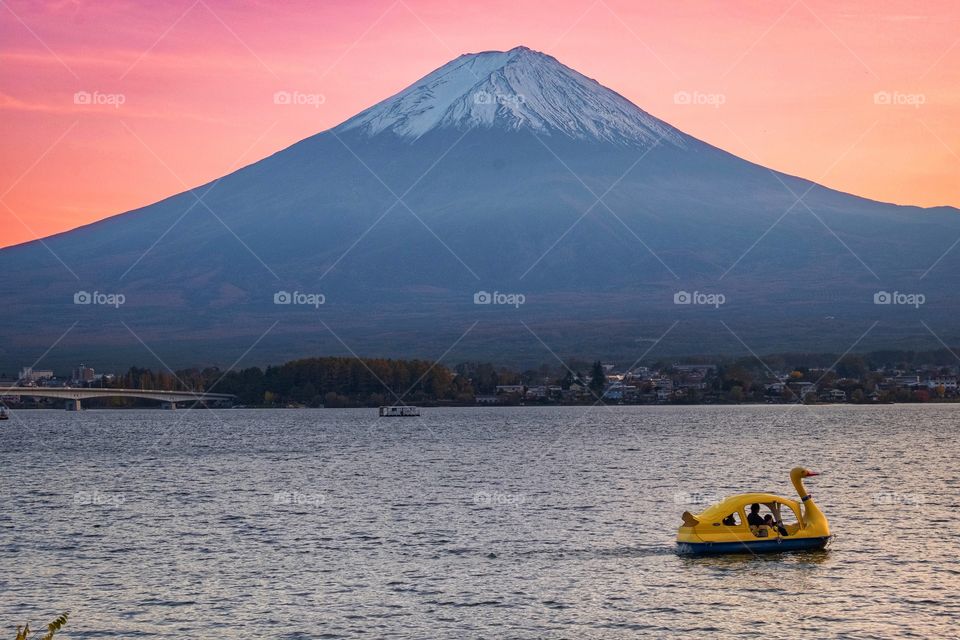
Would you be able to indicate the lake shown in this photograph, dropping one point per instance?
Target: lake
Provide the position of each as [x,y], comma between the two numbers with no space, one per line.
[517,522]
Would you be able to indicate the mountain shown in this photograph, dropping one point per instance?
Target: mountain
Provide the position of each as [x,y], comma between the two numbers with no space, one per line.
[501,172]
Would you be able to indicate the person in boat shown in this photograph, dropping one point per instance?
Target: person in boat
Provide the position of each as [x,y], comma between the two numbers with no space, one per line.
[730,521]
[773,524]
[753,518]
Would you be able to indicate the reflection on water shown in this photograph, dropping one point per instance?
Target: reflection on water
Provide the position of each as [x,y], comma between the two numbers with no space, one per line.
[494,522]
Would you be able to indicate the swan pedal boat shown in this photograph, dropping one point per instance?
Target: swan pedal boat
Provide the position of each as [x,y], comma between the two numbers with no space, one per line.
[706,532]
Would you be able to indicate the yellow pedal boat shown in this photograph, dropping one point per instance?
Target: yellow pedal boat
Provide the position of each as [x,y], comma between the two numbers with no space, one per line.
[733,525]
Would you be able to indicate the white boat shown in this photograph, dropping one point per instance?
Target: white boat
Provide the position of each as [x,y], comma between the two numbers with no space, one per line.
[398,411]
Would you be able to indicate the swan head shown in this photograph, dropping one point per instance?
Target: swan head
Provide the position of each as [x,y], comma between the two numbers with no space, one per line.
[798,473]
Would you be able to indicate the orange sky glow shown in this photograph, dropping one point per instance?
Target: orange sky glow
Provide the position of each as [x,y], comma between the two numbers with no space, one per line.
[110,105]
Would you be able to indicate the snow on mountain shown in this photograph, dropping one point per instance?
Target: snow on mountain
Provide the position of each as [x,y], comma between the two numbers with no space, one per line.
[515,89]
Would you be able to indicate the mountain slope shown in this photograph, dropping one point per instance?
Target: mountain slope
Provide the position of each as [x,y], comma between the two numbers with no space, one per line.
[516,174]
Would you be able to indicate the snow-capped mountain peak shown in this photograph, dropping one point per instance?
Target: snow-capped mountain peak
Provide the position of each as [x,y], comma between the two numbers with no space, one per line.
[512,90]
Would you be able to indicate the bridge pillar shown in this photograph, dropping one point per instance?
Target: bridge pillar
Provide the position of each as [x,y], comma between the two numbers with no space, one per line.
[168,405]
[72,405]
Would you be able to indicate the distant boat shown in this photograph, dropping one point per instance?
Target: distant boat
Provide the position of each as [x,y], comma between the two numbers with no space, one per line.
[3,413]
[399,411]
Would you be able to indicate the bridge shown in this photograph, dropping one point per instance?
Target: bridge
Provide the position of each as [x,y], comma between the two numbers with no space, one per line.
[73,396]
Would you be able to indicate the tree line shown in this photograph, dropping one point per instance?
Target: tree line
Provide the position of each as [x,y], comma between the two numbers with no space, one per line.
[315,382]
[353,382]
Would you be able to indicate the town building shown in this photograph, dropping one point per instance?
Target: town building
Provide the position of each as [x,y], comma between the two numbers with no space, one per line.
[83,374]
[949,383]
[29,374]
[511,388]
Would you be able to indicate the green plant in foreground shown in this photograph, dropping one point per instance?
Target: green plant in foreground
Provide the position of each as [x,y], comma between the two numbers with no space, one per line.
[52,628]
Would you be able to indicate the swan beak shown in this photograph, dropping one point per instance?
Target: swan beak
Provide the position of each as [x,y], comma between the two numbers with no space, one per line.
[811,473]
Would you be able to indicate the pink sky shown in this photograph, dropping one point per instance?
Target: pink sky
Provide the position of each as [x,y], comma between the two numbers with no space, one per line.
[196,79]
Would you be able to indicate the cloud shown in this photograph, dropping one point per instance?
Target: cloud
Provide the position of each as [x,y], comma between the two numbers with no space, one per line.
[10,103]
[67,107]
[119,60]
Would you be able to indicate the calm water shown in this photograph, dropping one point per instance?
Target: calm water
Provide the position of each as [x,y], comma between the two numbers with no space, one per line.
[495,522]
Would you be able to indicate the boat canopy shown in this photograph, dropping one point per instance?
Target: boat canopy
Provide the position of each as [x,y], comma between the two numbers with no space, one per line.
[719,511]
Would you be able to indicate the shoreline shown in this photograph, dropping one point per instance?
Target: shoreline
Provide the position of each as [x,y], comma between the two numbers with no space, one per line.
[512,406]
